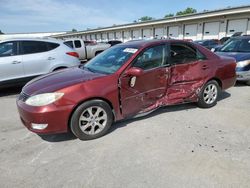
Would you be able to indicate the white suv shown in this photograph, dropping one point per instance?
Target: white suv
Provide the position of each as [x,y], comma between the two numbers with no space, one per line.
[23,59]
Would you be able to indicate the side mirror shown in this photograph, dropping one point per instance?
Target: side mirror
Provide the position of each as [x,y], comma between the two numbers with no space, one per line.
[134,71]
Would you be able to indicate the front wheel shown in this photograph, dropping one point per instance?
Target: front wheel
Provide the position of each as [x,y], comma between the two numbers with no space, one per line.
[91,120]
[209,94]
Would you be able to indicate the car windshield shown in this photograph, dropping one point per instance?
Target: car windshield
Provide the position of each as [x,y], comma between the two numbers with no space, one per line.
[236,45]
[110,60]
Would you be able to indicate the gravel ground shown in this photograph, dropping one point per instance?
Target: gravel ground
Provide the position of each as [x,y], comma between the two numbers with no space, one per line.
[177,146]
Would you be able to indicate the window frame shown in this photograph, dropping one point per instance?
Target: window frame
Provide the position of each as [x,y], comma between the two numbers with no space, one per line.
[46,43]
[166,60]
[190,45]
[17,48]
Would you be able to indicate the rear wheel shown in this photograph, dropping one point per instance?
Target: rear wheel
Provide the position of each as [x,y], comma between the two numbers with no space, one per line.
[91,120]
[209,94]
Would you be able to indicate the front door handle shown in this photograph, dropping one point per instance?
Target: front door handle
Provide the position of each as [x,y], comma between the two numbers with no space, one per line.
[16,62]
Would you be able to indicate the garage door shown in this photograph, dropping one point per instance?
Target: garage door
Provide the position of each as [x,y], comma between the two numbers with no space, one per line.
[211,30]
[136,34]
[147,33]
[88,37]
[105,36]
[236,26]
[93,37]
[111,36]
[159,33]
[190,32]
[118,35]
[98,37]
[173,32]
[126,36]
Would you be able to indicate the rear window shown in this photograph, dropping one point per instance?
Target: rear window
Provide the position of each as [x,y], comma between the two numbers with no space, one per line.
[77,44]
[30,47]
[69,44]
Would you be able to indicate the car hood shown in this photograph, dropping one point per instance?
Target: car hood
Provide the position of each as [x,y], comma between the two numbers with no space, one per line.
[59,80]
[236,55]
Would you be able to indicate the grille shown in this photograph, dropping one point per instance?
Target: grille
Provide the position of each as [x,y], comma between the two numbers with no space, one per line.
[23,97]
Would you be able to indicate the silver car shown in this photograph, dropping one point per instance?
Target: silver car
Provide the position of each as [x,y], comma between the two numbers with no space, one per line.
[23,59]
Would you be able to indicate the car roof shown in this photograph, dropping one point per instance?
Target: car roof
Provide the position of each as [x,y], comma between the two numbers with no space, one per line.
[43,39]
[242,37]
[145,43]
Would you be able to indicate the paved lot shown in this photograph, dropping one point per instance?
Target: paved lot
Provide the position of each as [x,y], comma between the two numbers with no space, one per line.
[180,146]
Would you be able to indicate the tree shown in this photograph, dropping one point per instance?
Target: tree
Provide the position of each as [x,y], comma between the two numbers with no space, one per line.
[187,11]
[1,32]
[74,30]
[145,18]
[169,15]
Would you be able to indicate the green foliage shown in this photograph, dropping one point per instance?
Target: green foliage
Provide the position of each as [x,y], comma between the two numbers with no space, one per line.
[74,30]
[145,18]
[187,11]
[169,15]
[1,32]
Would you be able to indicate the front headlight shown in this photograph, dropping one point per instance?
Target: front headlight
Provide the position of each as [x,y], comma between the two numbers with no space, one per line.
[43,99]
[243,63]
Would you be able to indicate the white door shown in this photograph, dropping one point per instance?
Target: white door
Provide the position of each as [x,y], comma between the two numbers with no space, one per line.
[93,37]
[136,34]
[147,33]
[211,30]
[11,65]
[36,59]
[126,36]
[111,36]
[236,26]
[98,37]
[118,35]
[190,32]
[159,33]
[105,37]
[173,32]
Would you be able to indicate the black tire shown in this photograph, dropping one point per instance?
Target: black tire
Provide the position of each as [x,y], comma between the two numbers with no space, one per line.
[204,102]
[77,125]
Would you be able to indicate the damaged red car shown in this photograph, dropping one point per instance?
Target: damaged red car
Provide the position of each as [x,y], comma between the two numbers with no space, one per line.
[127,80]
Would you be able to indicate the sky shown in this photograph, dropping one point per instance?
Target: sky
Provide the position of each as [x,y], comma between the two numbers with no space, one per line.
[17,16]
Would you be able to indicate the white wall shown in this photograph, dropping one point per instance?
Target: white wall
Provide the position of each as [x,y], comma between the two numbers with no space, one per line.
[28,35]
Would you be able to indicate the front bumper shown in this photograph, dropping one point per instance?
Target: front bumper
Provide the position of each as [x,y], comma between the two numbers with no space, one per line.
[243,75]
[56,117]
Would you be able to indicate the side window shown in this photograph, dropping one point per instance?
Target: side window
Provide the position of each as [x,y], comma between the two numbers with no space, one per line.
[77,44]
[8,49]
[31,47]
[52,46]
[182,53]
[151,58]
[69,44]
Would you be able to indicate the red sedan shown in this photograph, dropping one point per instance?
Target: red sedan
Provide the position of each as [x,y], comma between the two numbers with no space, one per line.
[125,81]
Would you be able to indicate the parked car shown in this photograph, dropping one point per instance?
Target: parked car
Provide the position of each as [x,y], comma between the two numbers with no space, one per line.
[209,43]
[114,42]
[23,59]
[224,39]
[239,48]
[86,49]
[127,80]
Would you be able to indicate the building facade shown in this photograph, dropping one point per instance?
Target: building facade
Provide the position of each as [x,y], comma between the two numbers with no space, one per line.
[206,25]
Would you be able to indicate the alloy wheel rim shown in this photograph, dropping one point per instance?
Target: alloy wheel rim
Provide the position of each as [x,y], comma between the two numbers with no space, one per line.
[210,94]
[93,120]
